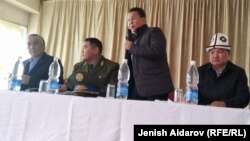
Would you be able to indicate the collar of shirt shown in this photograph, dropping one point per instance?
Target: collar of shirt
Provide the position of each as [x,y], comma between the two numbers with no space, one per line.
[229,67]
[33,62]
[218,72]
[100,58]
[141,29]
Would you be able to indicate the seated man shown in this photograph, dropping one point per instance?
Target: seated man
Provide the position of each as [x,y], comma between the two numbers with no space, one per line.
[36,68]
[221,83]
[95,71]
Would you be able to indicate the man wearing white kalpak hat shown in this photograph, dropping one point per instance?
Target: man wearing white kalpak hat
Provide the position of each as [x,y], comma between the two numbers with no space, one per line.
[221,83]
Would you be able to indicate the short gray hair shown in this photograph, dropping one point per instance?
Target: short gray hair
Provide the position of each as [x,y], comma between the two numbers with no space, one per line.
[40,37]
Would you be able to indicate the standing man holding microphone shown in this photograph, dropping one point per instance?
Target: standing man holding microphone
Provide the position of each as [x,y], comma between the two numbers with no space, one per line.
[146,53]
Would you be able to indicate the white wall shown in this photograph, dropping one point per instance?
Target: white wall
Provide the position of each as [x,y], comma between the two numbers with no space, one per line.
[13,14]
[31,4]
[23,12]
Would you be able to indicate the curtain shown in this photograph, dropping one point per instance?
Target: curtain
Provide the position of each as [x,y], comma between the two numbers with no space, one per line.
[188,25]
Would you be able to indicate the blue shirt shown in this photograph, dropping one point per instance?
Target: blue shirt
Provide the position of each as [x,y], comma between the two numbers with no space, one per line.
[33,62]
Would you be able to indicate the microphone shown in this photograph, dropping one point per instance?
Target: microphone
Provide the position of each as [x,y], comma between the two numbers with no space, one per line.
[130,36]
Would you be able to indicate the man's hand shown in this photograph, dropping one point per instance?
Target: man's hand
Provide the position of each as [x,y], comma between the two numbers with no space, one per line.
[62,88]
[218,104]
[128,44]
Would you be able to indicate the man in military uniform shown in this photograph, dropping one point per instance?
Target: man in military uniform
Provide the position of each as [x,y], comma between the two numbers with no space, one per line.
[95,71]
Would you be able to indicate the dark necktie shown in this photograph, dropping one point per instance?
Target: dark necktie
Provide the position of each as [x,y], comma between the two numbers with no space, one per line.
[91,66]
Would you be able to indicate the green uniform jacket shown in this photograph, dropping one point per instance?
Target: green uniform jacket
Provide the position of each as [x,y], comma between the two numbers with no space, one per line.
[104,72]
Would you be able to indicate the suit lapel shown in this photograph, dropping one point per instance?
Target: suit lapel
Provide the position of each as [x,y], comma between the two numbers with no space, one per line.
[26,68]
[98,66]
[85,67]
[39,63]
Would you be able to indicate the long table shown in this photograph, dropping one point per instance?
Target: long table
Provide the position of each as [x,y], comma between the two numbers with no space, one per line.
[51,117]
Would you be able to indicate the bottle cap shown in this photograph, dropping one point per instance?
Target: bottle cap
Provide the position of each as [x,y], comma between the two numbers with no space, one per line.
[55,58]
[125,61]
[193,62]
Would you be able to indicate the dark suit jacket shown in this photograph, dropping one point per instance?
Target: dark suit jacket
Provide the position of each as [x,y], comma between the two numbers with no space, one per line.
[149,60]
[103,73]
[39,71]
[231,86]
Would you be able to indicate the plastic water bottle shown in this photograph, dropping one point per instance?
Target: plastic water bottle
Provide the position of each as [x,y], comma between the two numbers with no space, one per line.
[16,77]
[192,81]
[54,73]
[123,77]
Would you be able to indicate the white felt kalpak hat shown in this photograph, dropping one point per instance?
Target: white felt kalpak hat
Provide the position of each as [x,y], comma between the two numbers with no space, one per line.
[219,40]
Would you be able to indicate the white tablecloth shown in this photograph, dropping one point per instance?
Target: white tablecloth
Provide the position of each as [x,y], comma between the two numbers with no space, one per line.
[46,117]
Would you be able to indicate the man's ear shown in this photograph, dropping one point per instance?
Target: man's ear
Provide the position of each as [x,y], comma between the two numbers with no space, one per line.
[96,50]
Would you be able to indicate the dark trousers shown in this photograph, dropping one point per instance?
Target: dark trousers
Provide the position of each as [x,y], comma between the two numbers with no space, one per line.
[135,96]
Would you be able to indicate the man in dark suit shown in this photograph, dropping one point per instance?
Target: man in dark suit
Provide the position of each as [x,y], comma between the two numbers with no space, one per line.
[222,83]
[146,51]
[94,72]
[36,68]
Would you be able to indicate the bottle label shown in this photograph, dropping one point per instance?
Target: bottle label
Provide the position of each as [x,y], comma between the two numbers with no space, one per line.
[12,84]
[192,94]
[15,84]
[122,89]
[53,85]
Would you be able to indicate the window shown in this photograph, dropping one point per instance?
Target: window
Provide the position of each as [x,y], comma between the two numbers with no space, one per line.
[13,45]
